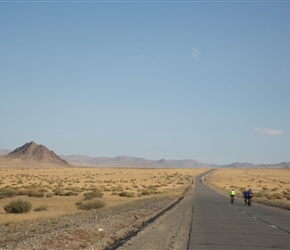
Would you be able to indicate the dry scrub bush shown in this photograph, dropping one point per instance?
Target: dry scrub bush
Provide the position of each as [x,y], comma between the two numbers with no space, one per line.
[89,205]
[59,191]
[40,208]
[275,196]
[18,207]
[91,195]
[127,194]
[62,192]
[49,195]
[118,188]
[146,192]
[71,193]
[278,196]
[260,194]
[35,193]
[75,189]
[8,192]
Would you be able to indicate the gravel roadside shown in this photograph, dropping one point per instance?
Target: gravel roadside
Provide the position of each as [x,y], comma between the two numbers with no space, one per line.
[170,231]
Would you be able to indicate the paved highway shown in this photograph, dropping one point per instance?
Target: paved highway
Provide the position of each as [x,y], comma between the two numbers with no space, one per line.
[217,224]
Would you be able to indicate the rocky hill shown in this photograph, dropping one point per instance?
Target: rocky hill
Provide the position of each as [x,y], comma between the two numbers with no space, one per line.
[32,152]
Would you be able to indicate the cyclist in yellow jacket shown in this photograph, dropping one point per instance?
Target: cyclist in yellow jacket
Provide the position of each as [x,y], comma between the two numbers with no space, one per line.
[232,194]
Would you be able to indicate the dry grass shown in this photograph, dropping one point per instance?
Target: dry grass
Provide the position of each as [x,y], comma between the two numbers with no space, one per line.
[59,189]
[267,184]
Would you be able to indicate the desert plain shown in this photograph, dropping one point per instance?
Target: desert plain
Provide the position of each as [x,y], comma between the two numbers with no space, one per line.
[58,190]
[129,196]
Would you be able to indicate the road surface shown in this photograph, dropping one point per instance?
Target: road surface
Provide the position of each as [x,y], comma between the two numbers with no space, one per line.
[217,224]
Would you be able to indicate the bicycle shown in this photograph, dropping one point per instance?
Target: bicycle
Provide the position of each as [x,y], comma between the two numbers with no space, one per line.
[250,201]
[232,199]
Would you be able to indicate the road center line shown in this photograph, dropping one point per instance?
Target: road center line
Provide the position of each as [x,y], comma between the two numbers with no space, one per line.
[260,219]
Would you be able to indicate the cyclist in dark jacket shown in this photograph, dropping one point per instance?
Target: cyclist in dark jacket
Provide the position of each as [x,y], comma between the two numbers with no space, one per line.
[245,194]
[249,197]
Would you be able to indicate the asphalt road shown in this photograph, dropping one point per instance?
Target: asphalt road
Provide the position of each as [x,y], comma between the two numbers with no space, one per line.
[217,224]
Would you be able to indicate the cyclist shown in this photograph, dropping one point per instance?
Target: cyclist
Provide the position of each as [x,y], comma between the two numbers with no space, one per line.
[249,197]
[245,194]
[232,194]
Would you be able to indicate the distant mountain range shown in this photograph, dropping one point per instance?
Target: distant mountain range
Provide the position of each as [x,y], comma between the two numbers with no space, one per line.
[32,152]
[125,161]
[249,165]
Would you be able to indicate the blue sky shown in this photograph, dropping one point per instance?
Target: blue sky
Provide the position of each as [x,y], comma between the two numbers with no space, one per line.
[203,80]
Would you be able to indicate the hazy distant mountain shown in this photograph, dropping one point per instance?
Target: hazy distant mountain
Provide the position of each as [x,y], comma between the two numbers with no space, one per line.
[284,164]
[32,152]
[249,165]
[279,165]
[126,161]
[4,151]
[77,159]
[238,165]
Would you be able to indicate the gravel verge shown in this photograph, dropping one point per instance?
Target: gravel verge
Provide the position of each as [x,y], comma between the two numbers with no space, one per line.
[170,231]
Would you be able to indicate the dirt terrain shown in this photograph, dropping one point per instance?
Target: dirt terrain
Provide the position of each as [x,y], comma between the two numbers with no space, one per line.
[161,223]
[108,228]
